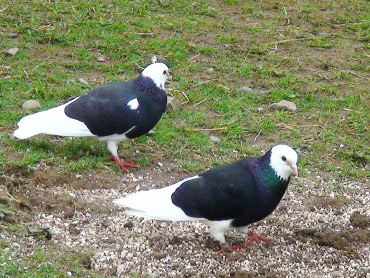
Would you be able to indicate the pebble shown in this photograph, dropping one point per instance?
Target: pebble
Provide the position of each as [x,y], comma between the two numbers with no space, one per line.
[284,105]
[245,89]
[83,81]
[159,255]
[12,35]
[215,139]
[210,70]
[31,105]
[12,51]
[100,58]
[173,104]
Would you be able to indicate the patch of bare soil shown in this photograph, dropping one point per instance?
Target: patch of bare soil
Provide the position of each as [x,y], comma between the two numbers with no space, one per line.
[359,220]
[341,240]
[317,233]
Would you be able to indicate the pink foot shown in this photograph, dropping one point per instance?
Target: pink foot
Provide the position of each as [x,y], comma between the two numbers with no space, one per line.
[124,165]
[254,238]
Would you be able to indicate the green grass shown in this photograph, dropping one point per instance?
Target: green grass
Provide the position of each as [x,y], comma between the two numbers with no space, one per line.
[39,265]
[313,53]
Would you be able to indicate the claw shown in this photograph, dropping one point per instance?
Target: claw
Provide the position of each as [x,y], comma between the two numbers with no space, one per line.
[124,165]
[254,238]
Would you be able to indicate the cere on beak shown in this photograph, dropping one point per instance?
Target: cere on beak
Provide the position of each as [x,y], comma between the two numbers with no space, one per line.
[294,170]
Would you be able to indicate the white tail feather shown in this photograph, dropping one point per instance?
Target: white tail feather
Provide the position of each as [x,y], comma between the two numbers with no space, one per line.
[155,204]
[52,122]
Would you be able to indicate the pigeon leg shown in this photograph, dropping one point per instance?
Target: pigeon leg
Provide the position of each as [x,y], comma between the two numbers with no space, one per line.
[254,238]
[113,147]
[124,165]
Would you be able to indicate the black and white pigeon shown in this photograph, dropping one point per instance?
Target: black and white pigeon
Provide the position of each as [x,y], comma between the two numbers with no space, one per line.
[112,112]
[229,196]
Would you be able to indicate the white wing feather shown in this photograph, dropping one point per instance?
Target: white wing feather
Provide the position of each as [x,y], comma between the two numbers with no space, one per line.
[52,122]
[155,204]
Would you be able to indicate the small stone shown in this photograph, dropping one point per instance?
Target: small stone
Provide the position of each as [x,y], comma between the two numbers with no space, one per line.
[214,139]
[128,225]
[245,89]
[12,51]
[159,255]
[284,104]
[31,105]
[73,230]
[173,104]
[152,131]
[83,81]
[12,35]
[162,3]
[100,58]
[210,70]
[337,274]
[6,212]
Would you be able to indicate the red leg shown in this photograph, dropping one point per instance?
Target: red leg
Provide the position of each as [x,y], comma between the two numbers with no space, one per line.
[124,165]
[254,238]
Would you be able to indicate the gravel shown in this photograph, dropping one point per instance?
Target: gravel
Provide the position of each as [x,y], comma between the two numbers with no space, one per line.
[123,245]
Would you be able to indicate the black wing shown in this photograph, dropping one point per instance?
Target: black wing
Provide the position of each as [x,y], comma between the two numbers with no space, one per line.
[222,193]
[104,110]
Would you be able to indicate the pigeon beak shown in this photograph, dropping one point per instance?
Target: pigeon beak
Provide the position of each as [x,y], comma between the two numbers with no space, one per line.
[169,76]
[294,170]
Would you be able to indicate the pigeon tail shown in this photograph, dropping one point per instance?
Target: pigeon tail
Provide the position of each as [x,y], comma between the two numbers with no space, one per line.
[24,133]
[155,204]
[52,122]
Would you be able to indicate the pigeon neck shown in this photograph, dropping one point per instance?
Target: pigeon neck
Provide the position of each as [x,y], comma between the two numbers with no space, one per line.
[147,85]
[157,81]
[269,178]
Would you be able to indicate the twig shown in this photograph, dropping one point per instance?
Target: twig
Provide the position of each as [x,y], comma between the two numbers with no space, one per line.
[187,99]
[200,102]
[209,129]
[341,24]
[285,126]
[4,9]
[355,74]
[323,127]
[140,67]
[290,40]
[145,34]
[191,58]
[258,134]
[131,187]
[309,126]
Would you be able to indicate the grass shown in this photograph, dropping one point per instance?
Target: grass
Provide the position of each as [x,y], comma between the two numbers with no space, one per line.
[39,265]
[315,54]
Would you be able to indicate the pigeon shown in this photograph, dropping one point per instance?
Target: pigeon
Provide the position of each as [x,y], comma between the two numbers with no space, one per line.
[229,196]
[112,112]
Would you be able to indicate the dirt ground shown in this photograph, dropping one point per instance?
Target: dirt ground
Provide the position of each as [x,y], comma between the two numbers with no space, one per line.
[317,233]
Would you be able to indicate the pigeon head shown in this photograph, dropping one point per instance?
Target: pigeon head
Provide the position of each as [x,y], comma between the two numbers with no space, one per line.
[158,72]
[283,161]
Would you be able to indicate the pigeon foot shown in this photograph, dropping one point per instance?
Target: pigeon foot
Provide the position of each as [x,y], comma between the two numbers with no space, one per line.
[124,165]
[254,238]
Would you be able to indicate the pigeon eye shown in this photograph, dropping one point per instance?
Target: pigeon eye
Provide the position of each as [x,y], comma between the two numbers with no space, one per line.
[164,72]
[283,158]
